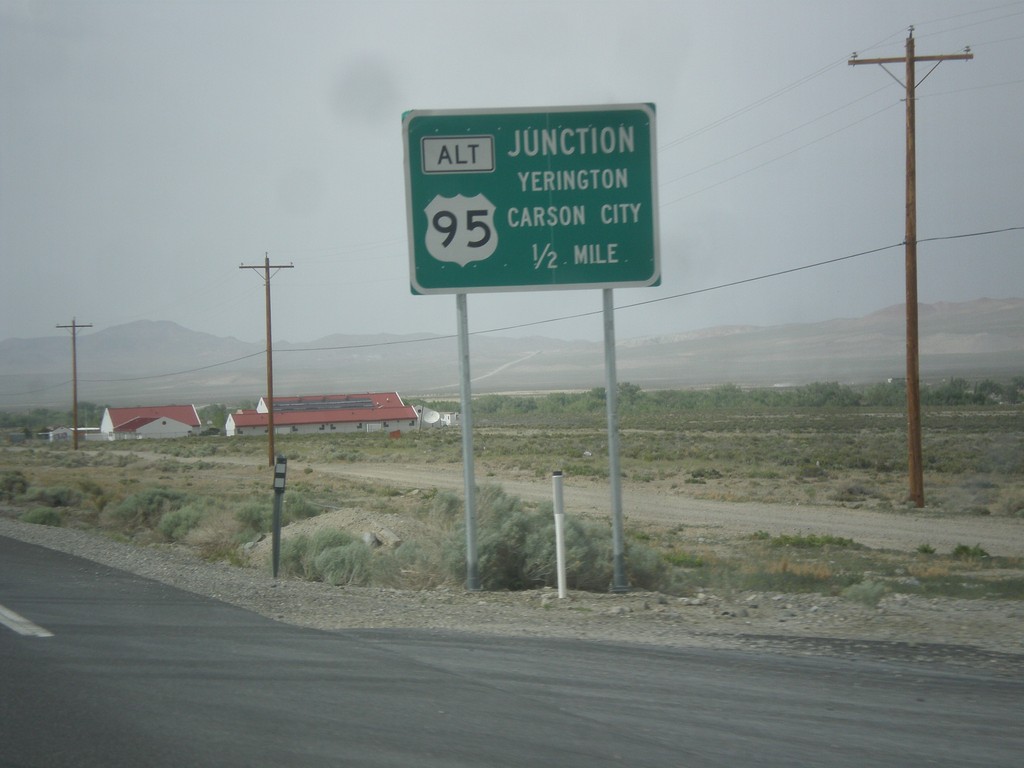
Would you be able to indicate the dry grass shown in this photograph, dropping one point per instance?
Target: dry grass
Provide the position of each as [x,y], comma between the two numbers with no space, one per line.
[850,459]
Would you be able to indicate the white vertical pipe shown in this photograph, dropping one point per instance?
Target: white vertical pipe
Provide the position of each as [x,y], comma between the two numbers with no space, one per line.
[556,483]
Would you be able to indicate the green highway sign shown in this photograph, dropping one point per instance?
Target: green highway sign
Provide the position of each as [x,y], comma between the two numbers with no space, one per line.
[531,199]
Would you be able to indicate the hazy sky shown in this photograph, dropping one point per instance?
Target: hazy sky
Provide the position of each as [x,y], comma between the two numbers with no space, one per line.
[148,148]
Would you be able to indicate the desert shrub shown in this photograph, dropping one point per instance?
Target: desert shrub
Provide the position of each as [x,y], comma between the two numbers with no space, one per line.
[645,567]
[516,549]
[681,559]
[94,492]
[295,557]
[413,565]
[444,510]
[345,565]
[12,483]
[258,516]
[1015,507]
[175,525]
[298,507]
[588,554]
[58,496]
[868,592]
[145,508]
[970,554]
[853,493]
[42,516]
[785,575]
[812,472]
[299,553]
[503,559]
[255,517]
[813,541]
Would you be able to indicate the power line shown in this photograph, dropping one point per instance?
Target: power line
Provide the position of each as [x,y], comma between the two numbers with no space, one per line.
[684,294]
[547,321]
[176,373]
[778,157]
[776,137]
[753,105]
[40,389]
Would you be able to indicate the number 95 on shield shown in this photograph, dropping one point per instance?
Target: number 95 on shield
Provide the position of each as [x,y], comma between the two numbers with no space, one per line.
[460,229]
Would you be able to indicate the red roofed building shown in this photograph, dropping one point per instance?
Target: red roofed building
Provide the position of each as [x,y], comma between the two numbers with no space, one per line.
[370,412]
[150,421]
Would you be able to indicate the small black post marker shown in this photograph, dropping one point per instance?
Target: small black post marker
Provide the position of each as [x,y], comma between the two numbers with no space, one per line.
[280,469]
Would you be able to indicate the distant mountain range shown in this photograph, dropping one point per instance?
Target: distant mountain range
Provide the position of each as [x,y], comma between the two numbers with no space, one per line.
[158,362]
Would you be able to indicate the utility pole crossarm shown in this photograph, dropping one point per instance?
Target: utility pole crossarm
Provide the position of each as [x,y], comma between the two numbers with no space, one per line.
[902,59]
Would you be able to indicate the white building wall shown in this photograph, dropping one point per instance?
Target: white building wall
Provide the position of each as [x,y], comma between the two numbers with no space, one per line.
[163,427]
[107,424]
[403,425]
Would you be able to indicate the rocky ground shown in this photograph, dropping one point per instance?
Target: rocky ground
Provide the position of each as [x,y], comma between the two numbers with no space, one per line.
[982,636]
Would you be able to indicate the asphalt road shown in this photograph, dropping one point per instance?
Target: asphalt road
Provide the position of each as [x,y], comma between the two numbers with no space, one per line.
[137,673]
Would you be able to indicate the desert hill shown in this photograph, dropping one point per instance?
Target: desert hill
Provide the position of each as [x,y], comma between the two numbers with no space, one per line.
[158,361]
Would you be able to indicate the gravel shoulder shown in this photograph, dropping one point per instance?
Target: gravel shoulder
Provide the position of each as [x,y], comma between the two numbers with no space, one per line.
[984,637]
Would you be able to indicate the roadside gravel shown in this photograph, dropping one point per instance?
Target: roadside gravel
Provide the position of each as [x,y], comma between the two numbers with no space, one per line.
[980,636]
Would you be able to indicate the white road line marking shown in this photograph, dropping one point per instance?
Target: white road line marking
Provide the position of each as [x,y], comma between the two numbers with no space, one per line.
[21,625]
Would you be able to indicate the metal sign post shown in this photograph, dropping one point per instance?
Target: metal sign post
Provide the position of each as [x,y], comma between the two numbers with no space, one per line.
[468,472]
[532,199]
[611,394]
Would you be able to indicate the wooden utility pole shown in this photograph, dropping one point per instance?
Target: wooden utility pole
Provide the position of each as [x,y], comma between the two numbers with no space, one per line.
[74,378]
[910,244]
[266,267]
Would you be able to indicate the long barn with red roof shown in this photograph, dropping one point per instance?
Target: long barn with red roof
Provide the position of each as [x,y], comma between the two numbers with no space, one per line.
[369,412]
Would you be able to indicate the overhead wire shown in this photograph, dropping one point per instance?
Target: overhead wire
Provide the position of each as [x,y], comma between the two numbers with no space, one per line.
[558,319]
[717,287]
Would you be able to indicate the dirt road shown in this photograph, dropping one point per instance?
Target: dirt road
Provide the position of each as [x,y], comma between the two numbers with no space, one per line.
[898,530]
[895,530]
